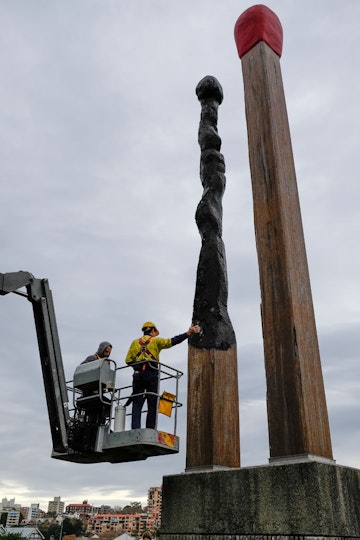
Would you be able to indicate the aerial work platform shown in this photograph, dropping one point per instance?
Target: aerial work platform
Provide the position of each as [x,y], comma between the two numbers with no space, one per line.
[91,427]
[98,431]
[94,394]
[131,445]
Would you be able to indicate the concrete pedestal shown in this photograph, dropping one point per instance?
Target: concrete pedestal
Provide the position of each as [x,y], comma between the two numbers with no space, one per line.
[302,500]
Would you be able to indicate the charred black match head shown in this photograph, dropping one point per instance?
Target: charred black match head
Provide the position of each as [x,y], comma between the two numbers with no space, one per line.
[209,88]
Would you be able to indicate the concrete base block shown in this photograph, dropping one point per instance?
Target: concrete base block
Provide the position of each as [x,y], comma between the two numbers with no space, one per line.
[304,500]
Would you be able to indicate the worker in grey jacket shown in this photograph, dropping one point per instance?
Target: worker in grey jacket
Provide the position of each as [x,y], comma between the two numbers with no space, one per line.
[104,351]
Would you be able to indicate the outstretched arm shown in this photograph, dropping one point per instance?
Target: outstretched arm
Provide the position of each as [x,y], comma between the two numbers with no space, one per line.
[181,337]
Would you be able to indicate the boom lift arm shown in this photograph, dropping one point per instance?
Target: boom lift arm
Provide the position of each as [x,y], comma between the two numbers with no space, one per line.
[39,294]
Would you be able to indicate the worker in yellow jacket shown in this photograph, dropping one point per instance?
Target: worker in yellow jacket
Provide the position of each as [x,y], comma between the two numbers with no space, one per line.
[143,356]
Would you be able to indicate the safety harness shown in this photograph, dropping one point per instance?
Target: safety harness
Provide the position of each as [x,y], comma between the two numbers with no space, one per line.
[144,351]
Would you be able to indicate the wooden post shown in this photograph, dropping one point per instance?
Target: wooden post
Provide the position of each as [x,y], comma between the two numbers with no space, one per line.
[213,439]
[297,412]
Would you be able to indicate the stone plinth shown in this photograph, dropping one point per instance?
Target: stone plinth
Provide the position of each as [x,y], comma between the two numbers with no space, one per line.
[306,500]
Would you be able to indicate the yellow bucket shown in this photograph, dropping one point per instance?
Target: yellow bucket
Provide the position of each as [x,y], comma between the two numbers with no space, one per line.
[166,403]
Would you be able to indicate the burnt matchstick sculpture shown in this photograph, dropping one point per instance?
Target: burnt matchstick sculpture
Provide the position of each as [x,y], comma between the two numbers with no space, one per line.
[213,410]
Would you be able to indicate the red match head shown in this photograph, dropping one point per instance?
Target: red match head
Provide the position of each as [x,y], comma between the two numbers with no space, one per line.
[258,23]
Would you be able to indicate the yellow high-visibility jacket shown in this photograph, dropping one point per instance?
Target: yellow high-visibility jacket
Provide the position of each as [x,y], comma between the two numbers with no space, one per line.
[153,348]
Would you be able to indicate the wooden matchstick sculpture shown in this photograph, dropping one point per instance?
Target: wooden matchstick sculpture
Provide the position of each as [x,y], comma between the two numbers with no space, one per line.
[297,412]
[213,412]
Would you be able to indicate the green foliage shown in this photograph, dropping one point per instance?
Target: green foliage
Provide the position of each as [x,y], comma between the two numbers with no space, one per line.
[49,530]
[69,526]
[11,536]
[72,526]
[133,508]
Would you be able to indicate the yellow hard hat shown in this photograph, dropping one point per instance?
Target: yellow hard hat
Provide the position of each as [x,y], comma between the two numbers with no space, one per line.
[148,324]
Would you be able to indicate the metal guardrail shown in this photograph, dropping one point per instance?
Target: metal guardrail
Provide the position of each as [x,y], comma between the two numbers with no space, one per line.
[122,395]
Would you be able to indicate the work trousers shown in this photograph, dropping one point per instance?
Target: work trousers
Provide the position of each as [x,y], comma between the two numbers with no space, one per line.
[144,382]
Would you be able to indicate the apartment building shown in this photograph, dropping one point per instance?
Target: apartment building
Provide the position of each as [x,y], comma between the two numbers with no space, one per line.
[80,509]
[12,518]
[56,506]
[33,512]
[8,504]
[154,501]
[130,523]
[119,523]
[11,510]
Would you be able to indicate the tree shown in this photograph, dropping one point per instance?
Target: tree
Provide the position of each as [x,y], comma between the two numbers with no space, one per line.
[133,508]
[69,526]
[11,536]
[49,530]
[72,526]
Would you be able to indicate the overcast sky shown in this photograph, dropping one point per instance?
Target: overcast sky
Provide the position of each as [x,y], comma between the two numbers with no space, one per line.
[99,187]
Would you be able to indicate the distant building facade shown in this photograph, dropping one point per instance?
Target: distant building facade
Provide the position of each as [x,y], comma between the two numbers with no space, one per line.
[33,512]
[13,518]
[154,501]
[10,512]
[133,524]
[84,509]
[56,506]
[103,509]
[9,504]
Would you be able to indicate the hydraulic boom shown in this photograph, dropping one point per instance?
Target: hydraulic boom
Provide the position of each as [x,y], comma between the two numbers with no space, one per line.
[39,294]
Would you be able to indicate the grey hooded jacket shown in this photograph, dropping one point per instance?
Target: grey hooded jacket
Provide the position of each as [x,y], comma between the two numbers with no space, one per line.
[99,353]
